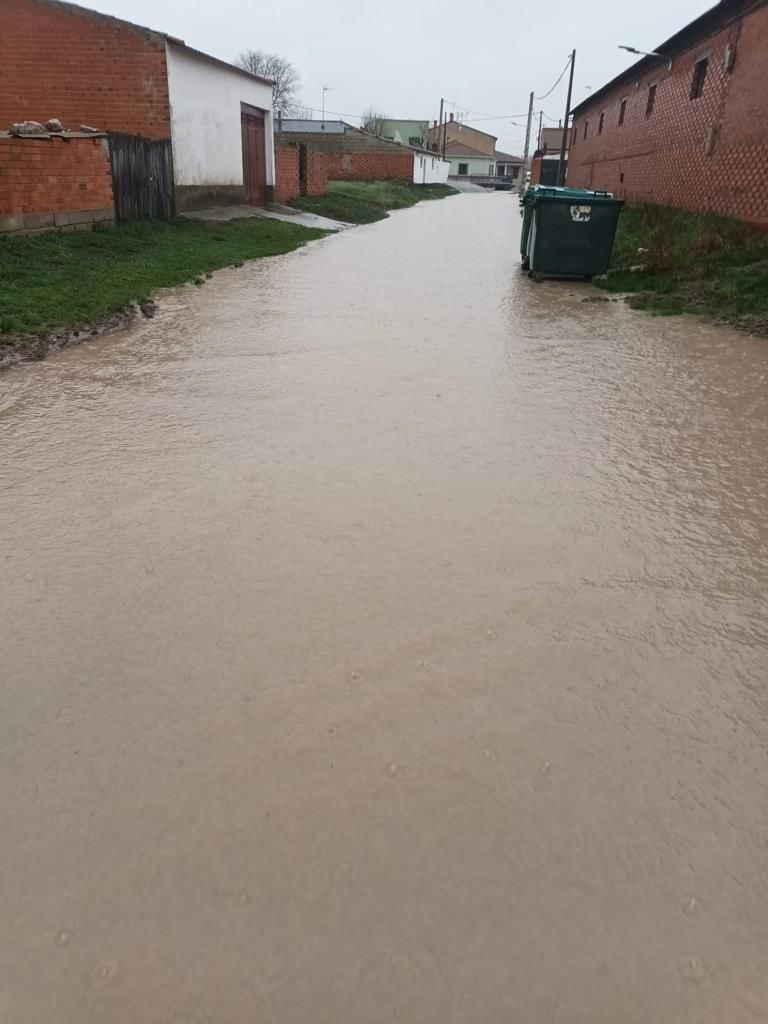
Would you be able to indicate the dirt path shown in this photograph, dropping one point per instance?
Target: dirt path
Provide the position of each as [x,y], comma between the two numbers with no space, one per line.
[384,638]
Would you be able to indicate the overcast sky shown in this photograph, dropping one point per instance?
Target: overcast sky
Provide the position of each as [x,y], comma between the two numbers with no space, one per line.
[484,56]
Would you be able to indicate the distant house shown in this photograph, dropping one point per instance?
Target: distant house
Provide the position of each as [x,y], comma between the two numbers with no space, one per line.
[85,67]
[545,166]
[458,133]
[350,154]
[470,151]
[305,126]
[551,141]
[508,166]
[407,133]
[466,162]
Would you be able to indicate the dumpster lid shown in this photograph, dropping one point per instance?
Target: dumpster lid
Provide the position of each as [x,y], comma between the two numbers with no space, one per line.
[562,193]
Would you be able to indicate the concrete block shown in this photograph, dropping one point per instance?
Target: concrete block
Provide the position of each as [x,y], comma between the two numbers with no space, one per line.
[61,218]
[12,222]
[81,217]
[107,213]
[33,221]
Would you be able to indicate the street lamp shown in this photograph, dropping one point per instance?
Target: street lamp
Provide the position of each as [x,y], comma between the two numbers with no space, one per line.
[645,53]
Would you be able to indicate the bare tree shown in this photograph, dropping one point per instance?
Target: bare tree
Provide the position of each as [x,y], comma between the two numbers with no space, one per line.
[373,121]
[284,76]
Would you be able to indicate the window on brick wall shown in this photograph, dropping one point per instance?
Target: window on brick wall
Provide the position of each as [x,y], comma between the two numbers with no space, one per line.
[651,102]
[600,123]
[586,129]
[699,77]
[622,113]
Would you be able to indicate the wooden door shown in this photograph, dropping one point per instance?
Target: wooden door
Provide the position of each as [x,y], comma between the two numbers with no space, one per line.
[254,156]
[142,177]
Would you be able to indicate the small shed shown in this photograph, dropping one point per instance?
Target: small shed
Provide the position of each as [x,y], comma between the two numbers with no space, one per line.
[180,121]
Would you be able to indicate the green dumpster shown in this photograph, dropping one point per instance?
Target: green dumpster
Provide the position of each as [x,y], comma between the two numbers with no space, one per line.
[528,204]
[568,232]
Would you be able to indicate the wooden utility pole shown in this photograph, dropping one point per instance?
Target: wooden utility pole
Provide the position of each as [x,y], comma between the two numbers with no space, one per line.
[528,133]
[564,146]
[445,133]
[440,125]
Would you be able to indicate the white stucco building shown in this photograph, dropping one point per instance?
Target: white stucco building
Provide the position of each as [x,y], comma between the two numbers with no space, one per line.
[221,130]
[186,129]
[429,168]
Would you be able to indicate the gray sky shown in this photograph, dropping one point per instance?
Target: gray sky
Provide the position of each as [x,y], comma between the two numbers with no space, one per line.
[484,56]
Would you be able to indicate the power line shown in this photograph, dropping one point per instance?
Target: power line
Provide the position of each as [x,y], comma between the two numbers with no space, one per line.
[501,117]
[361,117]
[562,75]
[485,117]
[481,114]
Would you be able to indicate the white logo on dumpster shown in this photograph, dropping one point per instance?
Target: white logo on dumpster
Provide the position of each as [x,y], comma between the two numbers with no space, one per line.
[581,214]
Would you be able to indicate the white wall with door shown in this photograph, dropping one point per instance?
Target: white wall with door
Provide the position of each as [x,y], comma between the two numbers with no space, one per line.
[464,166]
[430,169]
[205,96]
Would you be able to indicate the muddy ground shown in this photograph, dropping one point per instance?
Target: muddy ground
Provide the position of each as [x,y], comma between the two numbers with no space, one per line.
[384,638]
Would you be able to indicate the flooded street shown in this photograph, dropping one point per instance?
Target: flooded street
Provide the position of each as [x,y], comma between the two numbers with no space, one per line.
[384,638]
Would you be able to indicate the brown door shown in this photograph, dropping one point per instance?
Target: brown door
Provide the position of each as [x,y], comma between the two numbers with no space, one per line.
[254,156]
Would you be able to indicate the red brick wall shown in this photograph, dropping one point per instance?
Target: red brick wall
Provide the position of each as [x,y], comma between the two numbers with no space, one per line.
[317,173]
[39,177]
[365,166]
[286,172]
[82,68]
[710,153]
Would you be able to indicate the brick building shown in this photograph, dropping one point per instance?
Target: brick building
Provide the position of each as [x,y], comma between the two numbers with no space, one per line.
[453,131]
[62,60]
[545,164]
[311,152]
[688,127]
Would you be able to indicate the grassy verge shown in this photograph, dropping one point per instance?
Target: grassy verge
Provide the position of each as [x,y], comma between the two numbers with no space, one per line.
[57,280]
[692,263]
[362,202]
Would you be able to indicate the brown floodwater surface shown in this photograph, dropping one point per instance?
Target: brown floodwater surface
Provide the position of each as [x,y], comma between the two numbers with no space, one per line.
[384,639]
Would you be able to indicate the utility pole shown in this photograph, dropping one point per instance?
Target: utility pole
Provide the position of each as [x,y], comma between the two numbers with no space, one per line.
[445,133]
[439,125]
[528,133]
[564,146]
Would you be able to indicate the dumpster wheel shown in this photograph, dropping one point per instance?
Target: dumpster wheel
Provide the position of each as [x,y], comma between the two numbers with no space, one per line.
[535,276]
[525,266]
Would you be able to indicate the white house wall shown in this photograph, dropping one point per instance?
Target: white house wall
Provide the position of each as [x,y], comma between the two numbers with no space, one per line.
[205,103]
[475,165]
[429,170]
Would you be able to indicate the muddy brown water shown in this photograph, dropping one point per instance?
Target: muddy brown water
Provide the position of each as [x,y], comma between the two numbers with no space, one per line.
[384,638]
